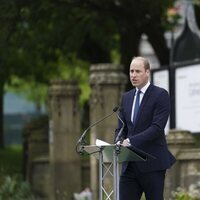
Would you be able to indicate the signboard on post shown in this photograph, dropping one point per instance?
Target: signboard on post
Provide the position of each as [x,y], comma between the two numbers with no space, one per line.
[187,92]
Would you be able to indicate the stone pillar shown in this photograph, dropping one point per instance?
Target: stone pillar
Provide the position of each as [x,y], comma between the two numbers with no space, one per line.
[36,152]
[35,138]
[179,141]
[64,132]
[107,83]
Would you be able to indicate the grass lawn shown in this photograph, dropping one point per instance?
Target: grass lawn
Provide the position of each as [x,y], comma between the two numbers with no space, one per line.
[10,161]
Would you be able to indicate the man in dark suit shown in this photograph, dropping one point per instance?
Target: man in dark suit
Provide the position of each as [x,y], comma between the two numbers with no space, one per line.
[145,116]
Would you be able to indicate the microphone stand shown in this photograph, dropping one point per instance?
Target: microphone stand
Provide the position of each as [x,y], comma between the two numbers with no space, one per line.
[121,129]
[81,141]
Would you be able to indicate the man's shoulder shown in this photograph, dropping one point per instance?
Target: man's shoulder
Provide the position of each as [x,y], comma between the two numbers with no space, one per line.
[157,88]
[129,92]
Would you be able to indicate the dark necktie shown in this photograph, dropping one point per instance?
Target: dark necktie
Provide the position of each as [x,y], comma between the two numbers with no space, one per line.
[137,105]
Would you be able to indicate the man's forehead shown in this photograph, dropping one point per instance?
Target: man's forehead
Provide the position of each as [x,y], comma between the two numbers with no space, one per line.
[137,62]
[136,65]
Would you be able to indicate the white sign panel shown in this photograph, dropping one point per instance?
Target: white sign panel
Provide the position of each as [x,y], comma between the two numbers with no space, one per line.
[161,79]
[187,91]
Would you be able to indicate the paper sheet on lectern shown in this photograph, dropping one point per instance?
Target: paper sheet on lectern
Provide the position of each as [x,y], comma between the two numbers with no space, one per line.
[101,143]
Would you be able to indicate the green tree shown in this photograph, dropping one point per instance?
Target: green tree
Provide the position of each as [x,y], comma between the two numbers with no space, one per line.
[24,50]
[97,28]
[36,33]
[34,48]
[44,39]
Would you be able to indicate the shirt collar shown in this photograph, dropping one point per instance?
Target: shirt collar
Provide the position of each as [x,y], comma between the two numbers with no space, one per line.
[143,89]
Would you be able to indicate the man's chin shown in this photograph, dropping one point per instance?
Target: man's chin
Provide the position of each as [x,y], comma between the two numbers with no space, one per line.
[134,84]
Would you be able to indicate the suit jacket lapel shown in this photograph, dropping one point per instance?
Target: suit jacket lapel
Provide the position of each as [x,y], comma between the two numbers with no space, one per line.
[130,102]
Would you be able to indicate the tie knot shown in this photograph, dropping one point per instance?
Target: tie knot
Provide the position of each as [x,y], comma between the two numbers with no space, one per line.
[138,92]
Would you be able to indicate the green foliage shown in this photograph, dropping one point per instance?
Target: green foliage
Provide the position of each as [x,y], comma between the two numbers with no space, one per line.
[173,18]
[197,2]
[32,91]
[182,195]
[13,188]
[72,67]
[192,193]
[44,40]
[11,161]
[36,33]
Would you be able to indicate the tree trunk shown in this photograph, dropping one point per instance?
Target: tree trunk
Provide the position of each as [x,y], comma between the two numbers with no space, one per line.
[130,39]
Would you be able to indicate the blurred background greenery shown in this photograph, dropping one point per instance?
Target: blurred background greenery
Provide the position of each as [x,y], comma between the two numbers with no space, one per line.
[41,40]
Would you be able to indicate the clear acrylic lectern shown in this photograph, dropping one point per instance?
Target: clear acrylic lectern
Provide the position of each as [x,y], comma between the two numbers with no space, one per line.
[110,156]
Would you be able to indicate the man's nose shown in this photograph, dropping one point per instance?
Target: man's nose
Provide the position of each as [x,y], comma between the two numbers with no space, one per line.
[133,74]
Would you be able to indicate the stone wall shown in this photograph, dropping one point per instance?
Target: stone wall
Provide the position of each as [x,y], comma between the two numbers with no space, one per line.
[186,171]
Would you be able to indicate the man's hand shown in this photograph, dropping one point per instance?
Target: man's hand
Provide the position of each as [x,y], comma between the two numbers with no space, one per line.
[126,143]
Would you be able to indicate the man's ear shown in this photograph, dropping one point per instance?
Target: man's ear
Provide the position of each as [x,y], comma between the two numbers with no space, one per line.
[148,72]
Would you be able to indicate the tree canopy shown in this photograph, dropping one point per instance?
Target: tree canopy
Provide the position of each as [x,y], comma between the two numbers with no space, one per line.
[44,39]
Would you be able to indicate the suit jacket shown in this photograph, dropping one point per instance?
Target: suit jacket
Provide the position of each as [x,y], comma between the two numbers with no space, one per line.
[147,133]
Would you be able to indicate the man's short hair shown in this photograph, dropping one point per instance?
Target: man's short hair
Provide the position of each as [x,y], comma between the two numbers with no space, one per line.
[144,60]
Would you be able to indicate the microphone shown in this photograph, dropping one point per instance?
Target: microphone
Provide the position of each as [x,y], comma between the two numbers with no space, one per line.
[81,140]
[121,130]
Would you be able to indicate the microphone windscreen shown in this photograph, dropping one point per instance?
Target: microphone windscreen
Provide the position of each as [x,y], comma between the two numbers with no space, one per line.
[115,108]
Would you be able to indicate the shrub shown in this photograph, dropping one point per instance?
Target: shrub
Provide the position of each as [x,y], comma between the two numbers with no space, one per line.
[193,192]
[14,188]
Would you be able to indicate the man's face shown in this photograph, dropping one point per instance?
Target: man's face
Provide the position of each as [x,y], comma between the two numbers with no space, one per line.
[139,76]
